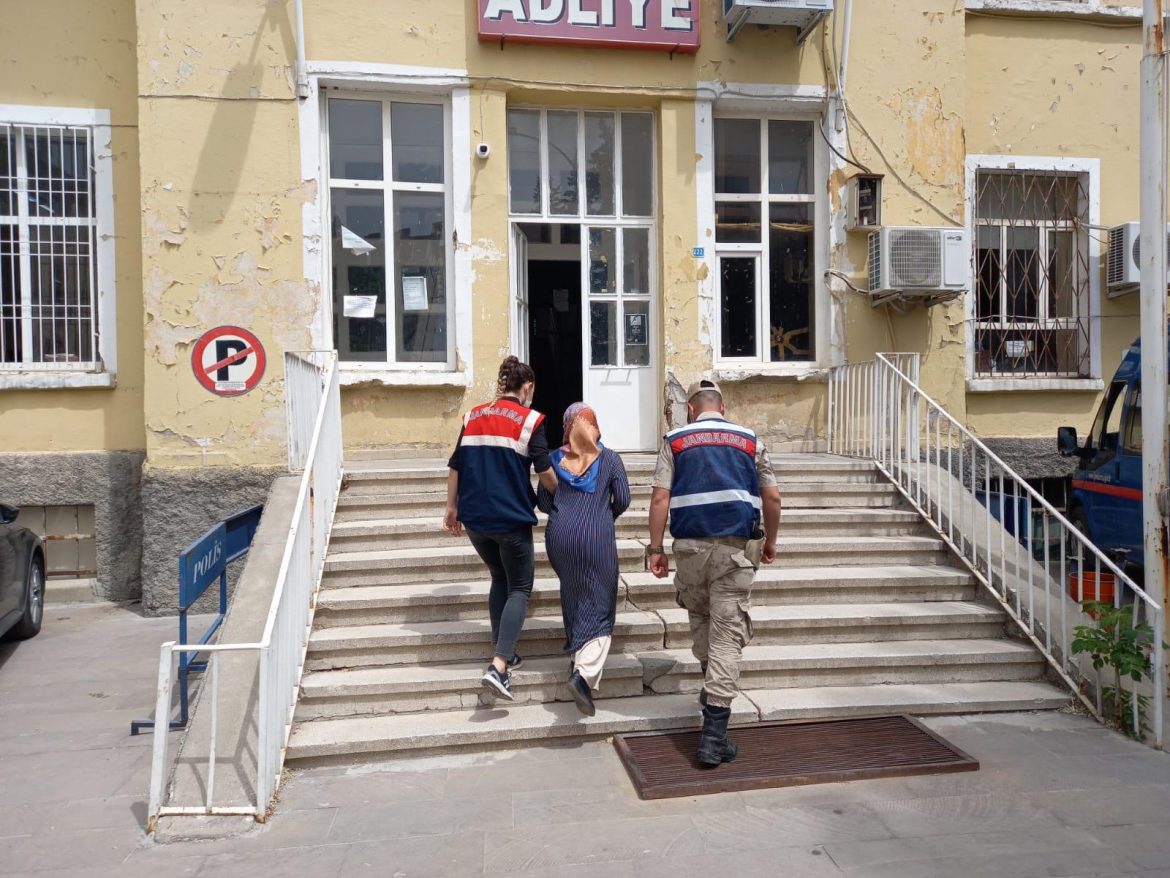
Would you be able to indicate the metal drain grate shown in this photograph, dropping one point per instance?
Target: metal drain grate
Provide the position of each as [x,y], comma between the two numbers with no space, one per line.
[790,754]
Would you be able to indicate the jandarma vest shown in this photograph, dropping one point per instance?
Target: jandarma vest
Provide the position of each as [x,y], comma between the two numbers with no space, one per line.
[716,490]
[495,494]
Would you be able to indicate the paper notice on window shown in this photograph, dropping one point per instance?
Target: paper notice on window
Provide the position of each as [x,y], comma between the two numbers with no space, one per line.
[561,300]
[355,243]
[360,306]
[636,329]
[414,294]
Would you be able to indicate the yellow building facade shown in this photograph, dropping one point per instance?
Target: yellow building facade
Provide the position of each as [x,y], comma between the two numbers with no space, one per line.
[426,197]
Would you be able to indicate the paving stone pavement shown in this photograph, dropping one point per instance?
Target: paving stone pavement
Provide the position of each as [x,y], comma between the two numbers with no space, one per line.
[1056,796]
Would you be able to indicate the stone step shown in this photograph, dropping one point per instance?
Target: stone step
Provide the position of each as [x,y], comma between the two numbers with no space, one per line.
[381,477]
[856,623]
[367,536]
[357,739]
[777,584]
[370,691]
[71,591]
[404,689]
[918,699]
[426,602]
[354,646]
[452,563]
[782,584]
[415,504]
[853,664]
[459,561]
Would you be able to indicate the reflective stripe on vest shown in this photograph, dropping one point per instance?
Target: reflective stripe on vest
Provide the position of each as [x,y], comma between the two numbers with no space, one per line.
[501,424]
[495,494]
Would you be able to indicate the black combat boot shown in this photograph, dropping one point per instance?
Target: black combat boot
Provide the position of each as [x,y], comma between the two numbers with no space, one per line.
[714,748]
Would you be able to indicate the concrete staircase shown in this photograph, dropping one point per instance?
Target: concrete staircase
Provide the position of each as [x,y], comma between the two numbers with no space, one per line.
[864,612]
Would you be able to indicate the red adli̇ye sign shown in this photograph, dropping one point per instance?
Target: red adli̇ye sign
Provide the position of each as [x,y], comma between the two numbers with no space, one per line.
[666,25]
[228,360]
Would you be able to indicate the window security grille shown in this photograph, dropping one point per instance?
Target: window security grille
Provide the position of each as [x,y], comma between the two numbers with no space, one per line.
[48,232]
[1032,275]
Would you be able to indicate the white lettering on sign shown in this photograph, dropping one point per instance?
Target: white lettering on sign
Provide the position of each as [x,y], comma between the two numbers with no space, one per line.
[581,16]
[496,9]
[662,25]
[208,561]
[638,11]
[548,11]
[670,19]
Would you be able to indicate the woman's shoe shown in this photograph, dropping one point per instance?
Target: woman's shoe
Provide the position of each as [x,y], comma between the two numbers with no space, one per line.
[579,689]
[499,685]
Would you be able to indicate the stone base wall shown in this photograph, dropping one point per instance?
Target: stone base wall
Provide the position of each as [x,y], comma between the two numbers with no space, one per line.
[1032,458]
[178,506]
[110,482]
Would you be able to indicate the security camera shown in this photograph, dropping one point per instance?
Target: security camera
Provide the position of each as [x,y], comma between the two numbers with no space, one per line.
[482,150]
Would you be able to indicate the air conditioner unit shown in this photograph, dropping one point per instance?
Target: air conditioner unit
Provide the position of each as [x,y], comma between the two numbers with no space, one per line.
[1123,273]
[803,15]
[919,264]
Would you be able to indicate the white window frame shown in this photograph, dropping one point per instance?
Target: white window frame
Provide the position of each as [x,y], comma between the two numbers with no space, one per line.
[761,363]
[103,371]
[390,81]
[390,189]
[762,101]
[1090,169]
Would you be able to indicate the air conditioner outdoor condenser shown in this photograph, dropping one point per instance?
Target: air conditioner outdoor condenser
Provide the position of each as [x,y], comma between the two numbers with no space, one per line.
[1123,273]
[918,264]
[803,15]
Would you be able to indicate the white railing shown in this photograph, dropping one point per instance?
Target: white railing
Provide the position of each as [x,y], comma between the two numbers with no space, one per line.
[1018,545]
[315,445]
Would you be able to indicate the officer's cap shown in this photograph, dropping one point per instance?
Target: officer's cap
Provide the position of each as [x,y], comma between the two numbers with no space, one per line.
[705,384]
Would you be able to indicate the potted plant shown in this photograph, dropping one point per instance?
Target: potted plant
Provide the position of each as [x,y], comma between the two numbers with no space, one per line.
[1114,641]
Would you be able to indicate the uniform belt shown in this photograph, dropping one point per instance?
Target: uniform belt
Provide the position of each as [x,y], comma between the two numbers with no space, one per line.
[736,542]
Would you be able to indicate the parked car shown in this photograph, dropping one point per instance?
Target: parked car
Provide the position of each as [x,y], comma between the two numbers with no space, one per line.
[1106,498]
[22,577]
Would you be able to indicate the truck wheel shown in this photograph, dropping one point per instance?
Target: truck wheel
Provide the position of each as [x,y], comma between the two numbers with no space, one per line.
[1079,520]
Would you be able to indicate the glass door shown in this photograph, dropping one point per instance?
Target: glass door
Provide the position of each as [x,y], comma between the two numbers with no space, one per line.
[620,334]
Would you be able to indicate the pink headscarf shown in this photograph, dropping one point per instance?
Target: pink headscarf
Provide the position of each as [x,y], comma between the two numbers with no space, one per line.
[582,435]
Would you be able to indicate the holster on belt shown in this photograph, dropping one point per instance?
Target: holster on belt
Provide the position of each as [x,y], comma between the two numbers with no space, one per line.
[754,550]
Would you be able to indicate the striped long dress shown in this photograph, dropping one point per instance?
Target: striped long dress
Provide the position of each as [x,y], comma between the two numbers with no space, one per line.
[582,547]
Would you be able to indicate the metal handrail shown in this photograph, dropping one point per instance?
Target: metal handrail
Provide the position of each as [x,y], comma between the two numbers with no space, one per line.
[877,411]
[314,444]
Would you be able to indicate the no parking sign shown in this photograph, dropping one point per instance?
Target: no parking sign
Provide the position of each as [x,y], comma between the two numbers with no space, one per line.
[228,360]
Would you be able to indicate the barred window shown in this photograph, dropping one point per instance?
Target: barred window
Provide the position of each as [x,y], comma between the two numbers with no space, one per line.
[1031,275]
[48,243]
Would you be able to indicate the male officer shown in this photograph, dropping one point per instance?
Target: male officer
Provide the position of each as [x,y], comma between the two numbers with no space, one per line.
[714,479]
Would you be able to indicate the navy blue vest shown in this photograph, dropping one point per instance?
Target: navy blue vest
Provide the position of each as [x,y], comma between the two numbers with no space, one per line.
[716,490]
[495,494]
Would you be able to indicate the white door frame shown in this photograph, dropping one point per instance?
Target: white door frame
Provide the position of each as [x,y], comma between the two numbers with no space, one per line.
[584,221]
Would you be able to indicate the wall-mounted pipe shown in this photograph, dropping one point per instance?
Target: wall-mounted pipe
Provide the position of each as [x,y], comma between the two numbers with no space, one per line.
[843,69]
[302,73]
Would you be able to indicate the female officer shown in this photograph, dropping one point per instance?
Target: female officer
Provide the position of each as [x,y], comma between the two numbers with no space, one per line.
[489,493]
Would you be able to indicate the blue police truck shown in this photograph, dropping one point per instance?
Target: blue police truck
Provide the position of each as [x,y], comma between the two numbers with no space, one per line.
[1106,498]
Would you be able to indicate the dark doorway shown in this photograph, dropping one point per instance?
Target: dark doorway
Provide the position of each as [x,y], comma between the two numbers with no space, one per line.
[554,339]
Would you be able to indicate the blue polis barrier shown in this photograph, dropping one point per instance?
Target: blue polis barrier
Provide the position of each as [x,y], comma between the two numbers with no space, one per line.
[201,564]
